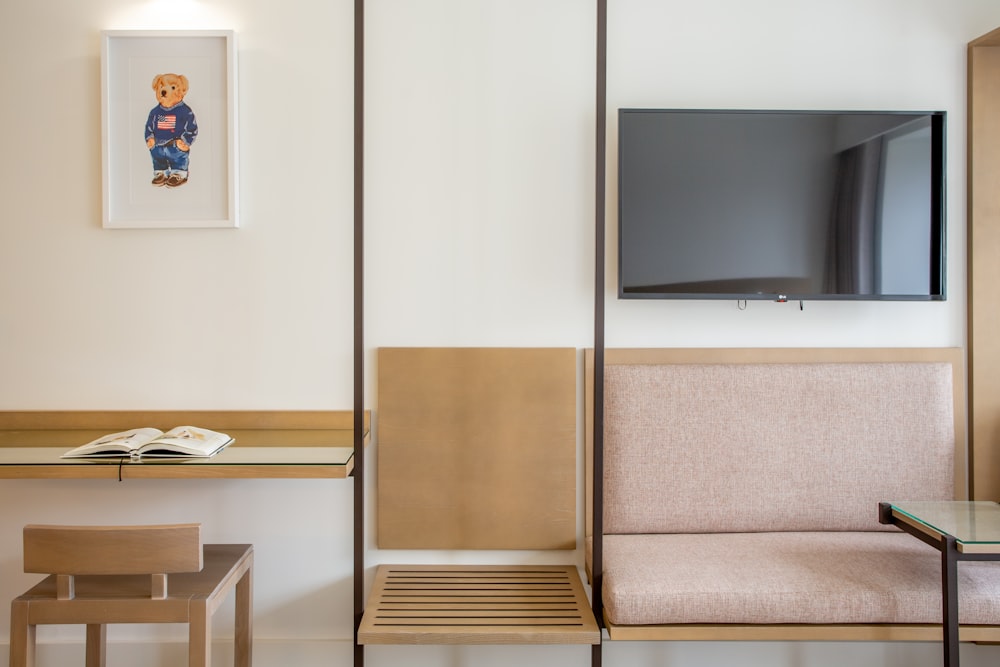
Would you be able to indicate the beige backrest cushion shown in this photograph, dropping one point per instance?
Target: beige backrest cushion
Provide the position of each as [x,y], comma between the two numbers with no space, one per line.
[773,446]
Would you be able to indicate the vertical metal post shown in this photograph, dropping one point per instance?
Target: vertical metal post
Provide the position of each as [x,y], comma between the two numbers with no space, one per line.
[949,597]
[359,338]
[597,520]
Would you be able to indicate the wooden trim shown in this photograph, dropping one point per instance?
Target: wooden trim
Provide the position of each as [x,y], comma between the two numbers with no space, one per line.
[70,438]
[109,420]
[121,473]
[983,271]
[989,39]
[786,355]
[593,448]
[924,528]
[797,632]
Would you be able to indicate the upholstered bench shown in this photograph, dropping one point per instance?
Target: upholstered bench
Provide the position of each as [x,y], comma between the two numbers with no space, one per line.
[741,490]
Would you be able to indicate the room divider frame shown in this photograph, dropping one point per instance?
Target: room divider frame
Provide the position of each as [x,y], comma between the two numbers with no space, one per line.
[359,292]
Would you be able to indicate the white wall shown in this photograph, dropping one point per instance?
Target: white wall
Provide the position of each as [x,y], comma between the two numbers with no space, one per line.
[479,212]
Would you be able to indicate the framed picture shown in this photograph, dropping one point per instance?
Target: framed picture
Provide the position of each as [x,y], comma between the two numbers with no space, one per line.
[169,128]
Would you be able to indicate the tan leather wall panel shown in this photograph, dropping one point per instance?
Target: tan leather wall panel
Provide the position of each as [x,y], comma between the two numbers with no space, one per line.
[476,448]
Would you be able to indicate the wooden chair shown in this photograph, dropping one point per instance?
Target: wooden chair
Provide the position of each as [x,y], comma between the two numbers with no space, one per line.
[119,574]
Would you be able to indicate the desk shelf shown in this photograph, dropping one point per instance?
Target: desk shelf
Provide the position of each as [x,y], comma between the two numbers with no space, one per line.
[267,444]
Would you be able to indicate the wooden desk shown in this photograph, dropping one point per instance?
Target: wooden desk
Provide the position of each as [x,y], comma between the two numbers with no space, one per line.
[268,444]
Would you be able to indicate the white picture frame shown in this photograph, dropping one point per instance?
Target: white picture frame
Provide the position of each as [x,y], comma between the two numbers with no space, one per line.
[152,181]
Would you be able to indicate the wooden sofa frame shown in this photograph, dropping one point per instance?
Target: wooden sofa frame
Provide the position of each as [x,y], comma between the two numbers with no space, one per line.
[782,631]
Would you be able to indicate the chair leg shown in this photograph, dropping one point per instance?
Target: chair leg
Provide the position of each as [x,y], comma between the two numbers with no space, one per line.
[244,621]
[22,636]
[199,634]
[97,645]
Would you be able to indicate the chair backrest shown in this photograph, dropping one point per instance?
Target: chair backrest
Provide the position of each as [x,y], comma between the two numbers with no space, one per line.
[87,550]
[112,549]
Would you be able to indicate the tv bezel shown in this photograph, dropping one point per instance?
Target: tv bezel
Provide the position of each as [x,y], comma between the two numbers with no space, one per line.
[938,263]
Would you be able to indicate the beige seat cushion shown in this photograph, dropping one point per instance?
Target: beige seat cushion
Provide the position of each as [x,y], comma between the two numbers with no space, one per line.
[791,577]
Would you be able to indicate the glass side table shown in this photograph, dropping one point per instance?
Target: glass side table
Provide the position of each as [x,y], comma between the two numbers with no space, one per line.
[960,530]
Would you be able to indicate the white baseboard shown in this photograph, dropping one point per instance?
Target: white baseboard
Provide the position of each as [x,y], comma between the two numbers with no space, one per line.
[266,653]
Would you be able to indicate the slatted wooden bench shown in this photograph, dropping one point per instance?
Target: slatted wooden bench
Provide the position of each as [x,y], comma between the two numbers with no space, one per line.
[496,604]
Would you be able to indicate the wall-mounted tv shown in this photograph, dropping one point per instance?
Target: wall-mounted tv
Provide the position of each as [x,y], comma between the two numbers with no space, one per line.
[781,205]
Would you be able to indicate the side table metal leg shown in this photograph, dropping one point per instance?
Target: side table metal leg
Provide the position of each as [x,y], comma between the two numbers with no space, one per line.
[949,597]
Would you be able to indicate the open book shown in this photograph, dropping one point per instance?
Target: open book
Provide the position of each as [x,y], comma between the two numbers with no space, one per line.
[179,442]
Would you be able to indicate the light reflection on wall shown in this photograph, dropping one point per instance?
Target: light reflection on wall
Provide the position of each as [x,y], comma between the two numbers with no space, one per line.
[172,15]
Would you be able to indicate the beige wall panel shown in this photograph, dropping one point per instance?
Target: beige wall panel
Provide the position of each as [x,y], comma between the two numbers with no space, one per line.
[476,448]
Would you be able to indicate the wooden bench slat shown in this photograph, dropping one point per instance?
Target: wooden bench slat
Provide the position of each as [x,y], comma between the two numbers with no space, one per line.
[478,605]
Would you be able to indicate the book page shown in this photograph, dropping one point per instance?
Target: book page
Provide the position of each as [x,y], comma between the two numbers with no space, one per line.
[116,444]
[186,441]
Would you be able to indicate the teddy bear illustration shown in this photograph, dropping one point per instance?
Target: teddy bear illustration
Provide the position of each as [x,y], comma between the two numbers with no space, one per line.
[170,130]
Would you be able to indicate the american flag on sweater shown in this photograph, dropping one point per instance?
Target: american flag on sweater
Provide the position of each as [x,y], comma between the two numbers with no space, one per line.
[166,122]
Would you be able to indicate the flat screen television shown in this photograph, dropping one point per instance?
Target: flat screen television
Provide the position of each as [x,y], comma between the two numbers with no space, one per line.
[781,205]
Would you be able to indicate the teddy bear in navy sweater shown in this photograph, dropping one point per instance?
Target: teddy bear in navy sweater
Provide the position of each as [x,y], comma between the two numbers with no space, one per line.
[170,130]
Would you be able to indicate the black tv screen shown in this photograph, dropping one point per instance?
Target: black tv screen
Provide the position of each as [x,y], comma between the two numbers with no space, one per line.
[781,205]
